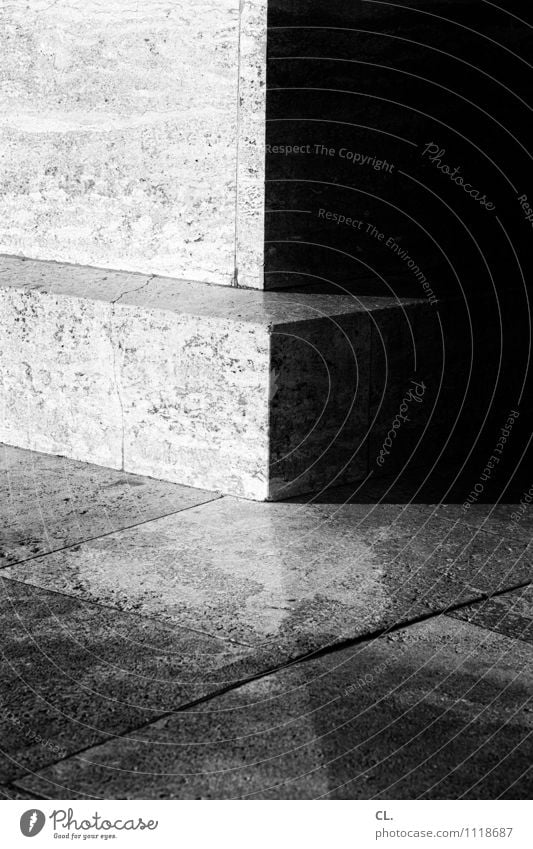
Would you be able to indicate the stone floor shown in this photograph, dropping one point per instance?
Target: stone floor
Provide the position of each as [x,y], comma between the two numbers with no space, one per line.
[165,642]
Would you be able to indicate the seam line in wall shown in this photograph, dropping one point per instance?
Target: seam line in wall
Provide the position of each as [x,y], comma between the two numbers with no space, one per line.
[235,281]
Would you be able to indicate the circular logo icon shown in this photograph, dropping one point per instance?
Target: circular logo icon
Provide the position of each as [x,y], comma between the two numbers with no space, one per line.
[32,822]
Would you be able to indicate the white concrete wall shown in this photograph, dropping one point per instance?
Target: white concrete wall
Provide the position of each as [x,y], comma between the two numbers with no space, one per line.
[121,124]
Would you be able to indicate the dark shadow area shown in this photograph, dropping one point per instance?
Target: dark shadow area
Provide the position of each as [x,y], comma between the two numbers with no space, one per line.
[376,114]
[449,408]
[509,486]
[398,165]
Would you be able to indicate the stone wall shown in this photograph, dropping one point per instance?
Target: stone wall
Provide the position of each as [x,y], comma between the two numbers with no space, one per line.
[123,129]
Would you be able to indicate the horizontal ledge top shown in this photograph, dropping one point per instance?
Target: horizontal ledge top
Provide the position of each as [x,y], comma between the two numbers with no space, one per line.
[123,288]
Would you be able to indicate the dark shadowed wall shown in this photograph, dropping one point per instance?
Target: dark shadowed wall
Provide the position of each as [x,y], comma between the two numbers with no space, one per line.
[398,162]
[361,89]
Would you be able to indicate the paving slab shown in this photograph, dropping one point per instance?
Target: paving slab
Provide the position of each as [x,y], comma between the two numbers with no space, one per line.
[74,674]
[513,519]
[7,792]
[510,614]
[510,515]
[507,520]
[286,578]
[47,502]
[438,710]
[505,510]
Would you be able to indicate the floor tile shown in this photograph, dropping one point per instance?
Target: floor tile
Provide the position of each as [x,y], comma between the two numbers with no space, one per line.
[510,614]
[437,710]
[50,502]
[286,575]
[8,792]
[513,519]
[74,674]
[446,564]
[505,520]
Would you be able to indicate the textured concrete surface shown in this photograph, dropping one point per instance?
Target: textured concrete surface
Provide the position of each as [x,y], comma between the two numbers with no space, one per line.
[509,520]
[10,792]
[125,132]
[280,576]
[50,387]
[106,693]
[184,296]
[324,386]
[48,503]
[509,614]
[250,207]
[260,395]
[435,711]
[512,519]
[74,673]
[162,393]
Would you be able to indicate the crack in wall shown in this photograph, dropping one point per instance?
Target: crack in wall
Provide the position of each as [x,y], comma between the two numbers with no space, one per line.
[137,289]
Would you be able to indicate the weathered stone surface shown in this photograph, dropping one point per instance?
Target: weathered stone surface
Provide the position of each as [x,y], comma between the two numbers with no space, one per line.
[48,503]
[9,792]
[250,209]
[74,673]
[57,369]
[506,520]
[286,578]
[181,296]
[261,395]
[510,614]
[436,711]
[157,392]
[194,400]
[443,565]
[121,131]
[324,386]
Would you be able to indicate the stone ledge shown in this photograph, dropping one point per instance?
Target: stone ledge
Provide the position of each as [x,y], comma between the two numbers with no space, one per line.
[263,395]
[188,297]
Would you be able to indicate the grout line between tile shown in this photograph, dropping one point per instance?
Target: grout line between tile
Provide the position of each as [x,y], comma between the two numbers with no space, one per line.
[296,661]
[149,617]
[216,497]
